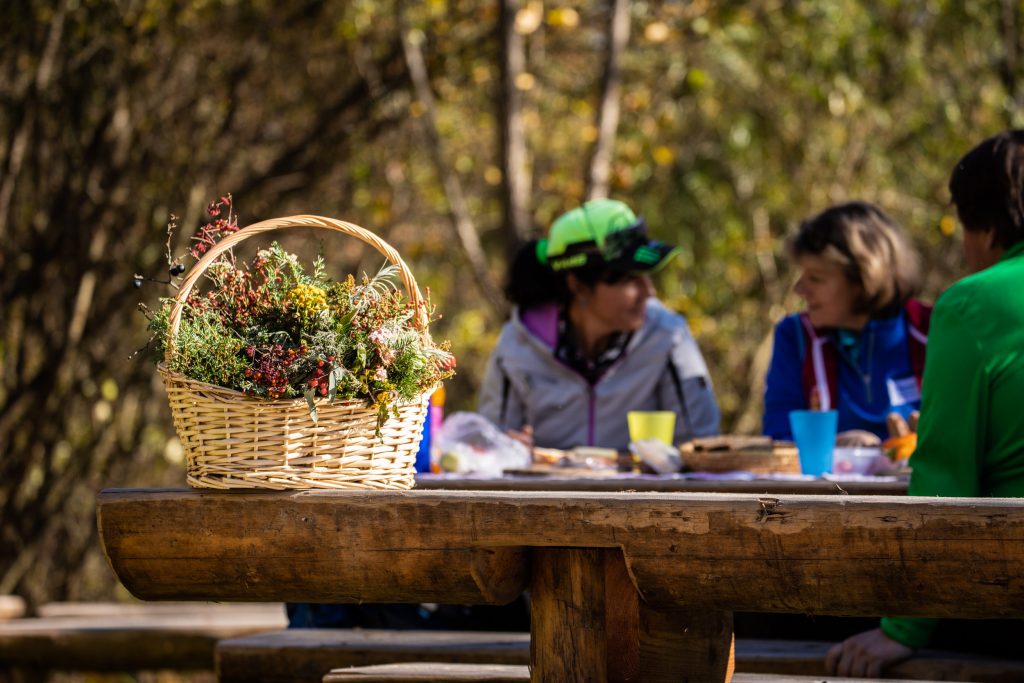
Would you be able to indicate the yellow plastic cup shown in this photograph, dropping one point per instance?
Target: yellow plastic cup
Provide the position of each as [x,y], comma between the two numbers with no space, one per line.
[651,424]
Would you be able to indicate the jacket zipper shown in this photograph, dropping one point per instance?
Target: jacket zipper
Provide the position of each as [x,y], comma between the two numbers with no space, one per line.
[591,409]
[866,375]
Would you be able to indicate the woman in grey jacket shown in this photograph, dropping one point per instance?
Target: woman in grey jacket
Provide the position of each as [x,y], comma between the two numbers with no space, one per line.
[588,342]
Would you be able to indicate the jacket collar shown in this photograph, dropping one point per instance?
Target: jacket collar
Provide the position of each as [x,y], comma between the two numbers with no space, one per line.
[540,325]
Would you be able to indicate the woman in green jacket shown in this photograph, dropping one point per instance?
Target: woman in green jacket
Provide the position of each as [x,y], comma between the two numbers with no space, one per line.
[970,437]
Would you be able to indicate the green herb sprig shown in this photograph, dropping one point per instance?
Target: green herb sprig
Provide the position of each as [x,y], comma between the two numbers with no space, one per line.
[272,331]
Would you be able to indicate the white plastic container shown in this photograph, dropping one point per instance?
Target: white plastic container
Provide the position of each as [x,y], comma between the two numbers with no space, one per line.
[855,460]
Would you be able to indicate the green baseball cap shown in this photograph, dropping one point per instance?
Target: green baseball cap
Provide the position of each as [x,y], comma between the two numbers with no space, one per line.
[604,232]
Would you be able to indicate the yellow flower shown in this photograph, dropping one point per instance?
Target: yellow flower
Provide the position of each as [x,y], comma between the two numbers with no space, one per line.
[306,302]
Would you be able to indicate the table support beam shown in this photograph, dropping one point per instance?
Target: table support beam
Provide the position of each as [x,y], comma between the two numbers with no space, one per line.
[589,623]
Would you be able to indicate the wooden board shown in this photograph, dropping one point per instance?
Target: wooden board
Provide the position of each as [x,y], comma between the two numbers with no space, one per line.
[845,555]
[133,641]
[776,678]
[622,483]
[297,655]
[543,470]
[269,614]
[807,658]
[435,672]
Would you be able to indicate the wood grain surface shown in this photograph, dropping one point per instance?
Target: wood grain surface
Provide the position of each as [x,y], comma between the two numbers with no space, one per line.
[431,672]
[298,655]
[843,555]
[99,638]
[556,480]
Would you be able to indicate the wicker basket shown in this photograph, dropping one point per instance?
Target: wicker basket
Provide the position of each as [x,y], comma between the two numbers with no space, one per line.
[235,441]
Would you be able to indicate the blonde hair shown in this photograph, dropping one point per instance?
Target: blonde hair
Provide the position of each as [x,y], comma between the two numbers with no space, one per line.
[872,250]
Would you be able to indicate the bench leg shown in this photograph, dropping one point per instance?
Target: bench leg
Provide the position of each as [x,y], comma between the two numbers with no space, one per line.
[588,623]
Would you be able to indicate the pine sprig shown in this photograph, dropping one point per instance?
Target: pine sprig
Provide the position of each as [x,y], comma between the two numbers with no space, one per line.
[273,331]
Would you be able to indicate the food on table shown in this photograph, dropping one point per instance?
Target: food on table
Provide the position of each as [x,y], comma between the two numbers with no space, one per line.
[900,448]
[728,453]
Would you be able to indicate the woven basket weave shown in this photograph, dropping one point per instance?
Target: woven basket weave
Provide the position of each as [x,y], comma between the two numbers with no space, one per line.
[235,441]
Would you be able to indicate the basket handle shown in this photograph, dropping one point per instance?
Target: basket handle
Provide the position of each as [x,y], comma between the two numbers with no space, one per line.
[351,229]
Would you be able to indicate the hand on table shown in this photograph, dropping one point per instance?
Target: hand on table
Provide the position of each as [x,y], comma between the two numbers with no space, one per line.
[865,655]
[523,436]
[902,436]
[899,427]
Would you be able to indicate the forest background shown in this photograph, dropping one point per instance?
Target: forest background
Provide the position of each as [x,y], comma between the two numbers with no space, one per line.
[455,129]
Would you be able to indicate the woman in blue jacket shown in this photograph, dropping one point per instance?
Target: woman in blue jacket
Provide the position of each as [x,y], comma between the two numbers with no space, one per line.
[859,346]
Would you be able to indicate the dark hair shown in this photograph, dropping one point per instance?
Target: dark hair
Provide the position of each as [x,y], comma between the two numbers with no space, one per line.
[870,248]
[531,283]
[987,186]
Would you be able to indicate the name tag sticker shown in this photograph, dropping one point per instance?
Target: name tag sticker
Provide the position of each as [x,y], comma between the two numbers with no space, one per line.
[903,391]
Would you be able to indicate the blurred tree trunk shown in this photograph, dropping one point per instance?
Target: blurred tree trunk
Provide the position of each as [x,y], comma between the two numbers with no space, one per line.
[515,176]
[600,166]
[110,113]
[462,222]
[1010,67]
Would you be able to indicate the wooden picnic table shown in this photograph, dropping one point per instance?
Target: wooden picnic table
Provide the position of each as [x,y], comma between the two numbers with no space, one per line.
[624,586]
[867,486]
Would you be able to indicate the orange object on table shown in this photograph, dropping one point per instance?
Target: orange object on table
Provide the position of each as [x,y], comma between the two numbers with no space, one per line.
[900,448]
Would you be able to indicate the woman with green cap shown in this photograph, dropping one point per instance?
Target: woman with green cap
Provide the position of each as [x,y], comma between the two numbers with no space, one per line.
[588,341]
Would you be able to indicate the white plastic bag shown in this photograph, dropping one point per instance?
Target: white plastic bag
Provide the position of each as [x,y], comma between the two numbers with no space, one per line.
[468,442]
[659,456]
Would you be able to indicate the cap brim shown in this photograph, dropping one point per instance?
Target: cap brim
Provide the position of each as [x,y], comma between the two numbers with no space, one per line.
[649,257]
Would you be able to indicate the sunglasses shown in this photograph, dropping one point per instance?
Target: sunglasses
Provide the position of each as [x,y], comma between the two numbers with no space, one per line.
[625,242]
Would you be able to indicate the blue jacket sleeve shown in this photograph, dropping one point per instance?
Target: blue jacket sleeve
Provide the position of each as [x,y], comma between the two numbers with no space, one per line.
[783,386]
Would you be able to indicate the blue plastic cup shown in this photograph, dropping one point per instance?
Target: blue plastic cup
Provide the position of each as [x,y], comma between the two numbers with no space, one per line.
[815,434]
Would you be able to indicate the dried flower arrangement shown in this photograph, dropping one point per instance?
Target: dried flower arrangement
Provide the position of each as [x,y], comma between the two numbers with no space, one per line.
[273,331]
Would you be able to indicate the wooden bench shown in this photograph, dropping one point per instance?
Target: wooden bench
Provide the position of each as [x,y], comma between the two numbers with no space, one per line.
[417,672]
[299,655]
[807,658]
[130,637]
[429,672]
[624,586]
[11,607]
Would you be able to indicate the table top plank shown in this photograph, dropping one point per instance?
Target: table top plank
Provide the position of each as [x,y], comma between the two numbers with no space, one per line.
[665,484]
[843,555]
[164,545]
